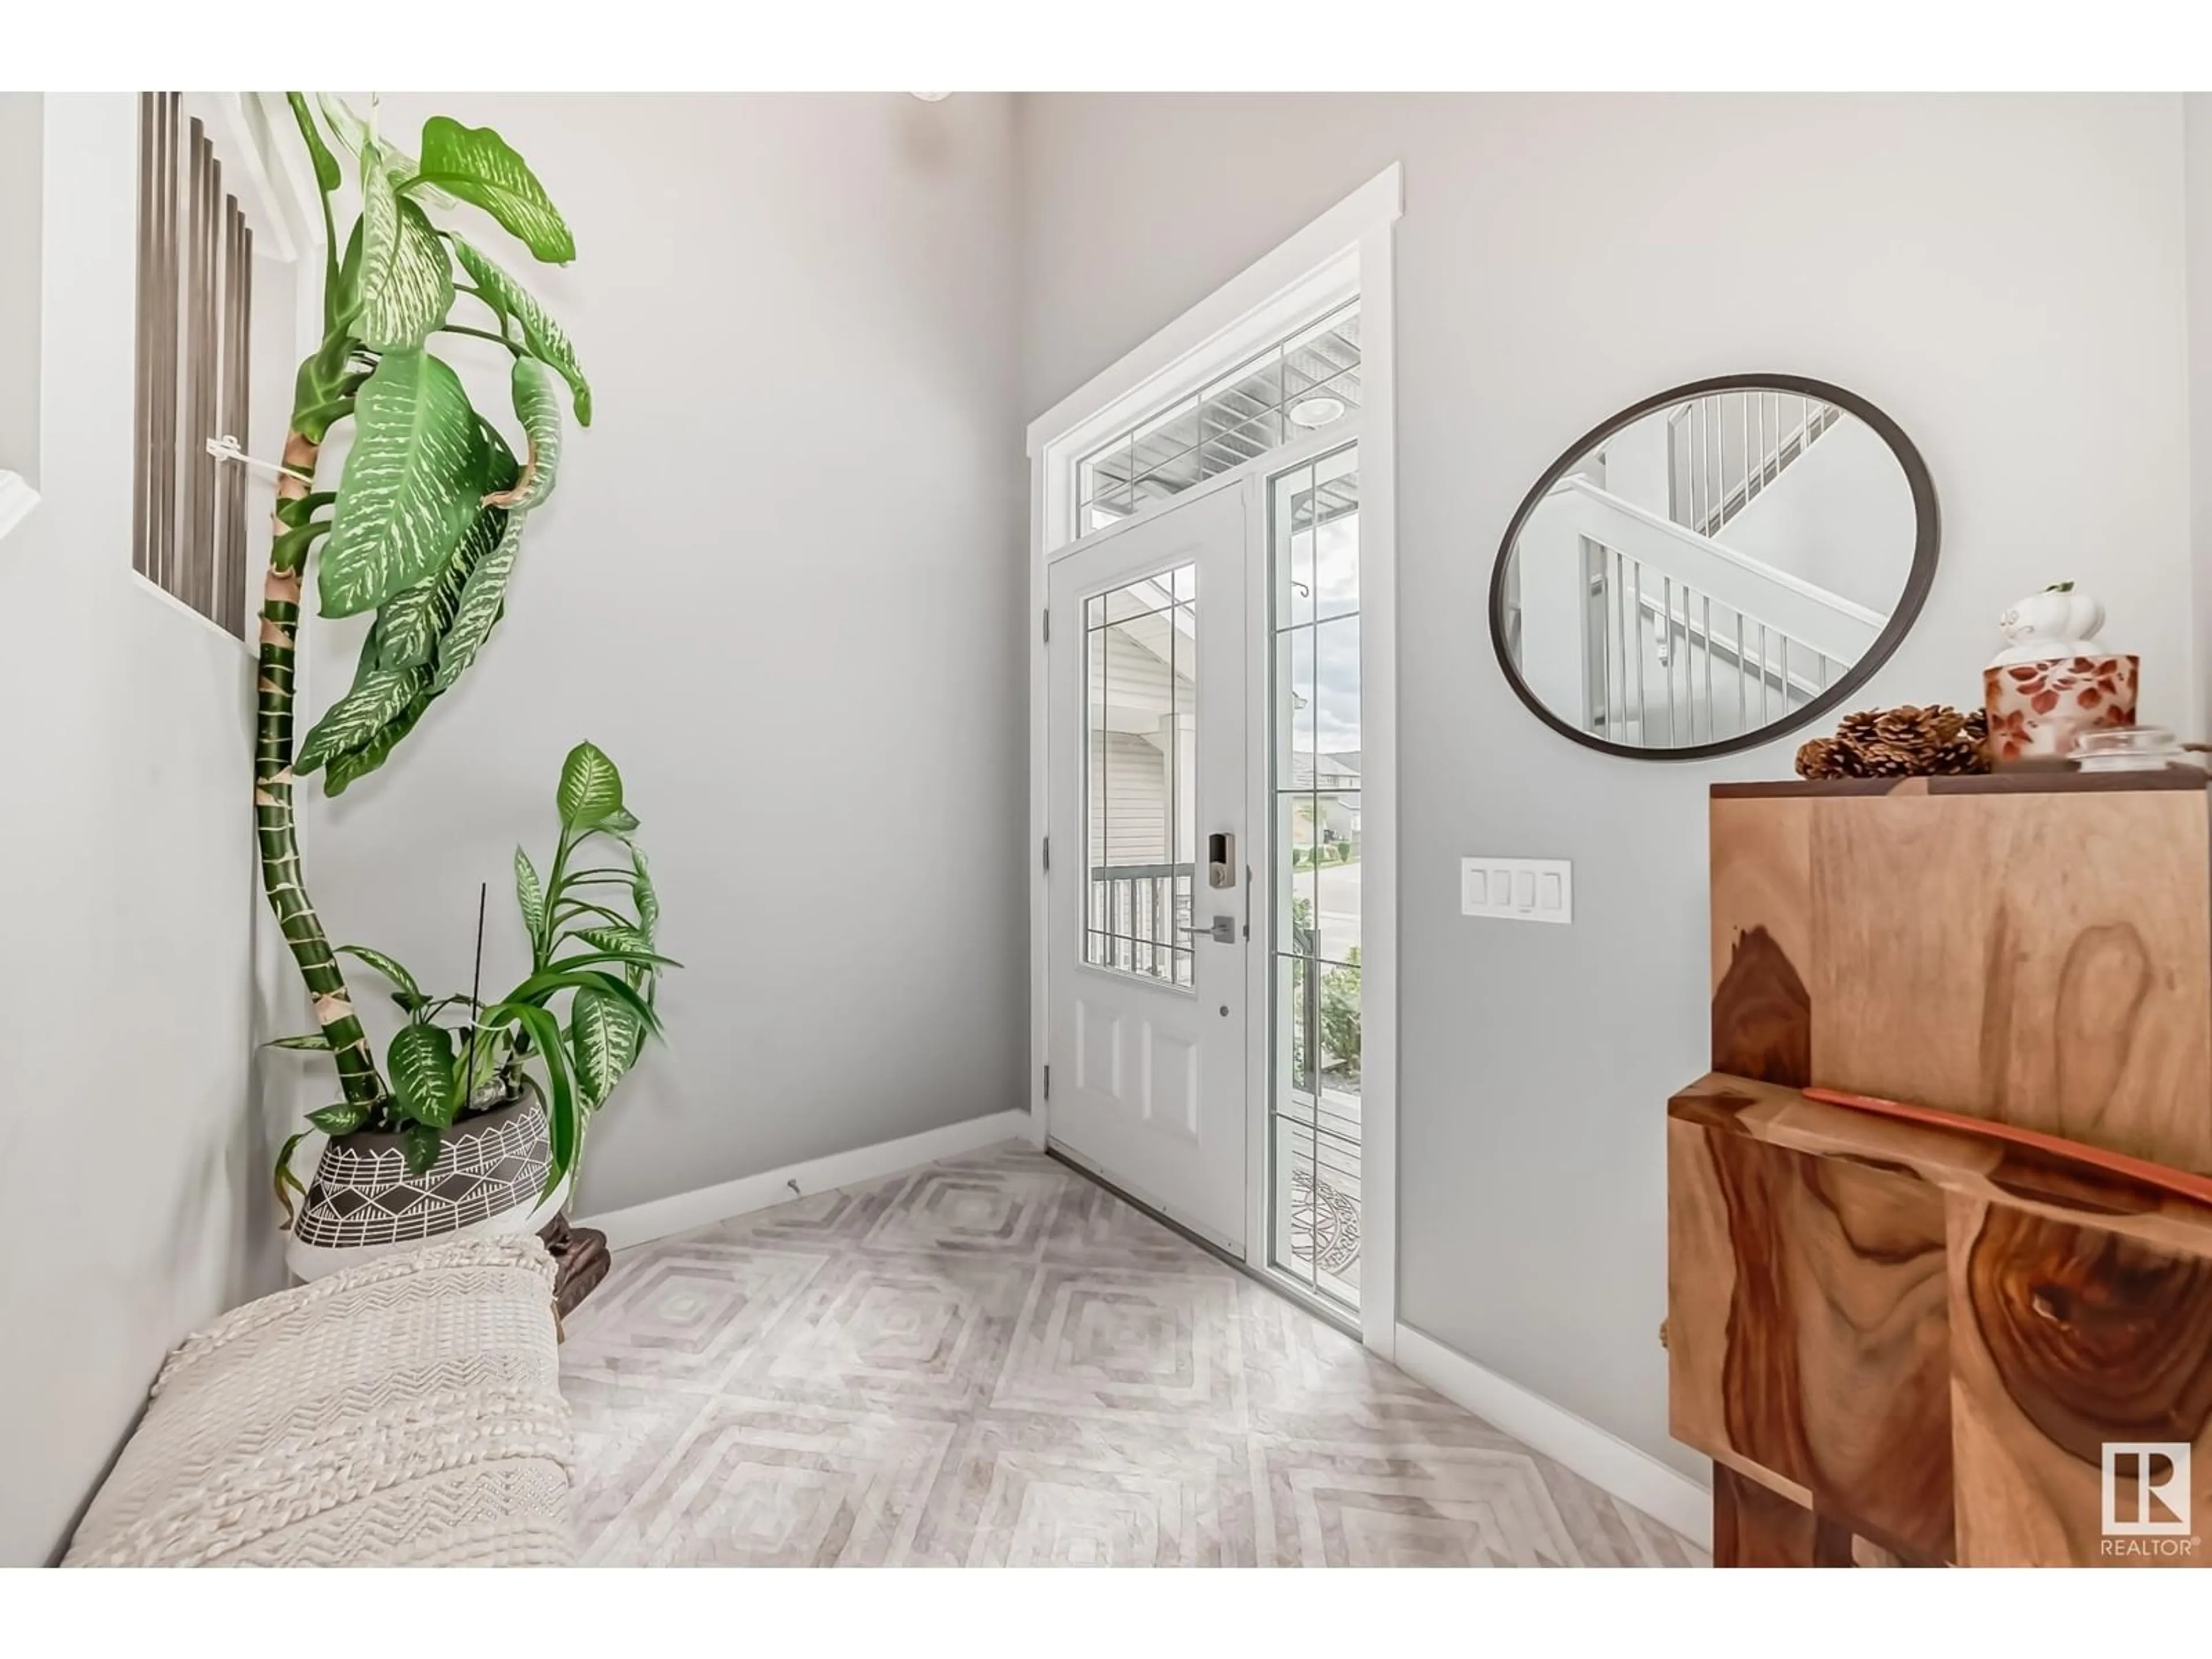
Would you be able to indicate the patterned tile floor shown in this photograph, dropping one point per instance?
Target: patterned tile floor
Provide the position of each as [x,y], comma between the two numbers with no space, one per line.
[993,1362]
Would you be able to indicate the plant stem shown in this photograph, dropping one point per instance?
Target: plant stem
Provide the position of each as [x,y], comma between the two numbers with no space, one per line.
[273,817]
[543,951]
[480,334]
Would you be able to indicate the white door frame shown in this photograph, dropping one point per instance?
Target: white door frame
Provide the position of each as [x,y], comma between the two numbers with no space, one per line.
[1348,249]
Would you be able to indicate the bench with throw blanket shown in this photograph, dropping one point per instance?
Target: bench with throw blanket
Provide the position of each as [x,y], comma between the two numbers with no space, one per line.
[404,1412]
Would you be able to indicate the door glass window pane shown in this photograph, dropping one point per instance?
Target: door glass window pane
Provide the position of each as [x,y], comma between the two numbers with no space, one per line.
[1300,385]
[1140,662]
[1314,864]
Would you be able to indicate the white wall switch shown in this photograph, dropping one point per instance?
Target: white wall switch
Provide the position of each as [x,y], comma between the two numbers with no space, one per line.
[1517,890]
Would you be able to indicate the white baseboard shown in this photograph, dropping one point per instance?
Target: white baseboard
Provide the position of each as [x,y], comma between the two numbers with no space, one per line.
[1604,1459]
[681,1212]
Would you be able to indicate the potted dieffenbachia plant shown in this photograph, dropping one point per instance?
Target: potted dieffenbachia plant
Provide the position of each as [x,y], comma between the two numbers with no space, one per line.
[419,531]
[490,1097]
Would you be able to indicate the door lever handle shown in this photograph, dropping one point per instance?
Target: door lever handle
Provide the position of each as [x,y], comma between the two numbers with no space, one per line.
[1222,930]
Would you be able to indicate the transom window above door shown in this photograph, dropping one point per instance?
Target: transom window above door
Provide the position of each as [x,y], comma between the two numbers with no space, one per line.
[1305,382]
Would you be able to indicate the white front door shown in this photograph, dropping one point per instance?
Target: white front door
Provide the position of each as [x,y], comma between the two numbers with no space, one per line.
[1147,889]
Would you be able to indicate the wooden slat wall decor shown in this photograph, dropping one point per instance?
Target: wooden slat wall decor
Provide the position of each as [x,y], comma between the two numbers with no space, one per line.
[193,367]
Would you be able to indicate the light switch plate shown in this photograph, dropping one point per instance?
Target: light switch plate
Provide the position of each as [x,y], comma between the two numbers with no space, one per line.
[1517,890]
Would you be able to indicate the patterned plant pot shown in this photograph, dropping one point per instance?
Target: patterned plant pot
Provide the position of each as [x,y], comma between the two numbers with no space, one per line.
[2037,709]
[363,1202]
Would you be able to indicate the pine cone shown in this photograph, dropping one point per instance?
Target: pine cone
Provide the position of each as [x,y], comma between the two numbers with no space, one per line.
[1899,726]
[1910,741]
[1821,758]
[1858,728]
[1891,760]
[1961,758]
[1971,748]
[1939,725]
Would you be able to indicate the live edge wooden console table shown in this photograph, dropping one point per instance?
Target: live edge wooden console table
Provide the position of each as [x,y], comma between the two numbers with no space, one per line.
[1911,1344]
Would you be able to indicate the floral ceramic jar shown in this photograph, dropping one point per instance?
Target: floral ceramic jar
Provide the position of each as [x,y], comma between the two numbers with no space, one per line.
[2051,682]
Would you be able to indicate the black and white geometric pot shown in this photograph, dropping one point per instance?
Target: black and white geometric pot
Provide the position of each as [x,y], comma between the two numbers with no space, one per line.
[364,1203]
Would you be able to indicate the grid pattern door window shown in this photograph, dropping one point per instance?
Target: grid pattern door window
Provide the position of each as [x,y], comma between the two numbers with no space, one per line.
[1140,662]
[1303,383]
[1313,863]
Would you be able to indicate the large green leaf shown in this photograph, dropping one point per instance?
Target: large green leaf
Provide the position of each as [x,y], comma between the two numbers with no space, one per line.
[503,471]
[342,302]
[409,625]
[542,336]
[538,408]
[406,282]
[626,959]
[564,1117]
[411,487]
[327,176]
[604,1034]
[646,897]
[478,166]
[539,989]
[283,1177]
[482,598]
[410,994]
[342,1119]
[352,132]
[341,769]
[354,720]
[616,940]
[590,788]
[530,896]
[421,1143]
[422,1061]
[348,768]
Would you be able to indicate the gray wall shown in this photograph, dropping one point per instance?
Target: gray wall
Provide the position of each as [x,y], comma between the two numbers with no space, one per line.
[22,149]
[781,583]
[1978,266]
[133,1174]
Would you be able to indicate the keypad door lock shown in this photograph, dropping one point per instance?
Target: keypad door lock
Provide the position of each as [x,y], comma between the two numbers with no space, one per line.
[1221,860]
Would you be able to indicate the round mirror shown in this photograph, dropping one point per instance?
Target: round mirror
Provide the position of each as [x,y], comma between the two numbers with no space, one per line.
[1714,567]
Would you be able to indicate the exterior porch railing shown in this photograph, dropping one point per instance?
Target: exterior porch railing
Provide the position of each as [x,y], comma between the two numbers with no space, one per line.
[1138,918]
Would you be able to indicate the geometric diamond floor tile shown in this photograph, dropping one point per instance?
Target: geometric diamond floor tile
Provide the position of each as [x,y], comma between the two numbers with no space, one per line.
[994,1361]
[683,1311]
[895,1330]
[760,1484]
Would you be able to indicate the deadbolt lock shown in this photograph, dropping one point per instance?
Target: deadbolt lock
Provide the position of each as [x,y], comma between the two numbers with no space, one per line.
[1221,860]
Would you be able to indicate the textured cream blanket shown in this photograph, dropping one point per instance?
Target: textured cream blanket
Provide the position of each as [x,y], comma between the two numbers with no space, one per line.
[406,1413]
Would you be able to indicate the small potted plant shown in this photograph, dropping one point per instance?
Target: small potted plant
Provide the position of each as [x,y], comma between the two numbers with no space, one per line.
[485,1120]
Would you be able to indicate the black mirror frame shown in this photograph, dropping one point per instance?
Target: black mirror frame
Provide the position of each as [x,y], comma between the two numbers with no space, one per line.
[1927,538]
